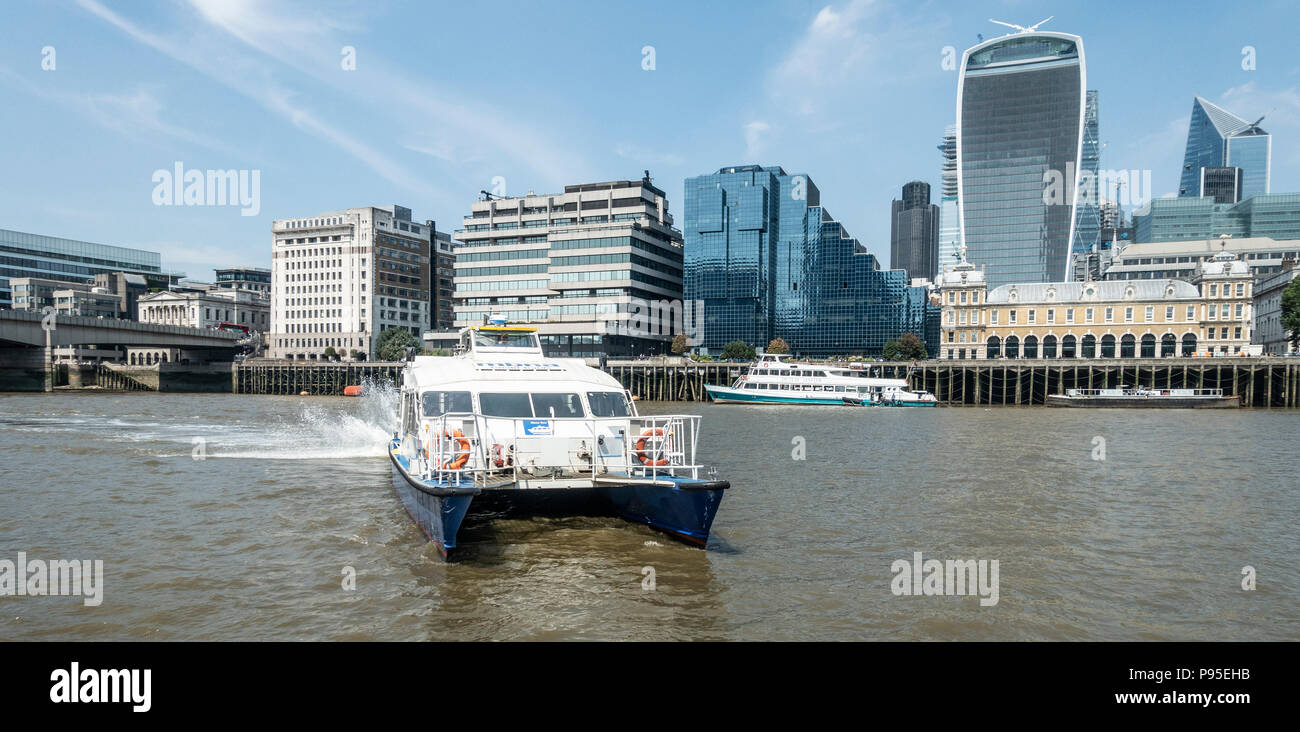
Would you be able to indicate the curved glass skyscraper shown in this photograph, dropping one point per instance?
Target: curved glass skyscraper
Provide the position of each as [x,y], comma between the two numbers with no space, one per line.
[1020,130]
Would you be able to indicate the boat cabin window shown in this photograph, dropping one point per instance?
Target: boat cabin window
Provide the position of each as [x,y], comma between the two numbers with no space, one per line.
[558,406]
[504,339]
[438,403]
[506,405]
[608,404]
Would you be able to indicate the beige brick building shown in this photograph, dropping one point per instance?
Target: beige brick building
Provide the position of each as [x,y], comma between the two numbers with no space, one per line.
[1208,316]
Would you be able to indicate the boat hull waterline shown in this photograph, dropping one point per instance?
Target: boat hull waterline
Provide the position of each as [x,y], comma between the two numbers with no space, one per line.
[684,508]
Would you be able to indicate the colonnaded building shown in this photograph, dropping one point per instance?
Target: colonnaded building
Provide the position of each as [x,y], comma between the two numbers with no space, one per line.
[1208,316]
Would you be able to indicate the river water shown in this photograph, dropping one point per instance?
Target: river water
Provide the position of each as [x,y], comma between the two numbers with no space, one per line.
[239,517]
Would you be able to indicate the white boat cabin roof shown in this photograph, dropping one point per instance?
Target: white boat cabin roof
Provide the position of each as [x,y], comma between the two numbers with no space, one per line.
[505,358]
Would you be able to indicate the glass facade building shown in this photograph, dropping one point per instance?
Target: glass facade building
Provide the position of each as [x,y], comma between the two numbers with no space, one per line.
[69,260]
[1021,107]
[1218,138]
[1276,216]
[765,260]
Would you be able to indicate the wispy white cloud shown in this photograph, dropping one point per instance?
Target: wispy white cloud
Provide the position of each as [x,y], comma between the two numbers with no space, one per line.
[251,80]
[644,156]
[309,42]
[136,114]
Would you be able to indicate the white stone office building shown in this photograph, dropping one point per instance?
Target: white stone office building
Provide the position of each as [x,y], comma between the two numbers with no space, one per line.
[339,279]
[1181,259]
[1268,332]
[578,265]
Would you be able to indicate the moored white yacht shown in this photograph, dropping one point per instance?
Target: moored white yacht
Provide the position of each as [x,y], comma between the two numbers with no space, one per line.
[499,424]
[774,380]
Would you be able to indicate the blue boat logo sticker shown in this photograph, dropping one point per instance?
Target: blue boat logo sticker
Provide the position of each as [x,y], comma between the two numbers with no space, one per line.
[537,427]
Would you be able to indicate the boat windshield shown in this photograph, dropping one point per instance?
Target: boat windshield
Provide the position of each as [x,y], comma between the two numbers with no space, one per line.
[558,406]
[504,339]
[608,404]
[506,405]
[438,403]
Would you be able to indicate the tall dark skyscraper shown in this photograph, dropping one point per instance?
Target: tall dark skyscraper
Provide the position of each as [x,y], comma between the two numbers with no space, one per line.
[1021,125]
[914,232]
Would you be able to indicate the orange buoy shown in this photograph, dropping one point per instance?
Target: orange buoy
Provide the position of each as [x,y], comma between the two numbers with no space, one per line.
[354,390]
[643,454]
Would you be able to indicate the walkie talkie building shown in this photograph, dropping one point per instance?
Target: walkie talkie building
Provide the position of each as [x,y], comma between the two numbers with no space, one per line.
[1021,100]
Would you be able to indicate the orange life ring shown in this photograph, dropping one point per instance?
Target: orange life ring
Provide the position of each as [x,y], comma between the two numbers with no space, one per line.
[462,456]
[641,451]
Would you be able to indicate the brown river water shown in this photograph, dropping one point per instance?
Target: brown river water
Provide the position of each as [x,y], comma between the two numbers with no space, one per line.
[1106,525]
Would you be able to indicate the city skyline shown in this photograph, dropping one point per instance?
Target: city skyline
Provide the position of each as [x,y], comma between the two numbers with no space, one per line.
[263,88]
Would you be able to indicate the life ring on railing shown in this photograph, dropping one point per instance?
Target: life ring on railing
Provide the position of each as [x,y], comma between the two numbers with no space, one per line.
[641,452]
[461,457]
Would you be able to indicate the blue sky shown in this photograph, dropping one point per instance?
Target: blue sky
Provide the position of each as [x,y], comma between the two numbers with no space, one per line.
[445,97]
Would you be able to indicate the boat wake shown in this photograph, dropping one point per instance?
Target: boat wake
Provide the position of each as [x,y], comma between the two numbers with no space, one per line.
[356,428]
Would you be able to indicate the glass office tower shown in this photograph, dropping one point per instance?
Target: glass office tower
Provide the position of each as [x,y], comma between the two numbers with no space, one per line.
[1020,128]
[1218,138]
[768,261]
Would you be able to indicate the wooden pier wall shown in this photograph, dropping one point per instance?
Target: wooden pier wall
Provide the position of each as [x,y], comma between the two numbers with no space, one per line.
[1261,382]
[317,379]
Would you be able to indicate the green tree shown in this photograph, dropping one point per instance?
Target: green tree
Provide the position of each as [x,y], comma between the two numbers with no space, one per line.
[739,350]
[355,354]
[392,344]
[330,353]
[890,351]
[911,347]
[1291,311]
[778,345]
[680,344]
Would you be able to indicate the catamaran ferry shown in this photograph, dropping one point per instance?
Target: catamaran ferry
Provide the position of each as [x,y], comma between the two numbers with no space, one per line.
[774,380]
[500,425]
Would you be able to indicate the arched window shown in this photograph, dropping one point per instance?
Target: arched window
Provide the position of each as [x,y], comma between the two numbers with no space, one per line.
[1168,345]
[995,347]
[1068,350]
[1049,346]
[1031,347]
[1089,345]
[1127,346]
[1108,346]
[1013,347]
[1148,346]
[1189,344]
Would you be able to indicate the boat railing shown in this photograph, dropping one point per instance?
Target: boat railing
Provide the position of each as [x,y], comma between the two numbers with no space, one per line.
[466,447]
